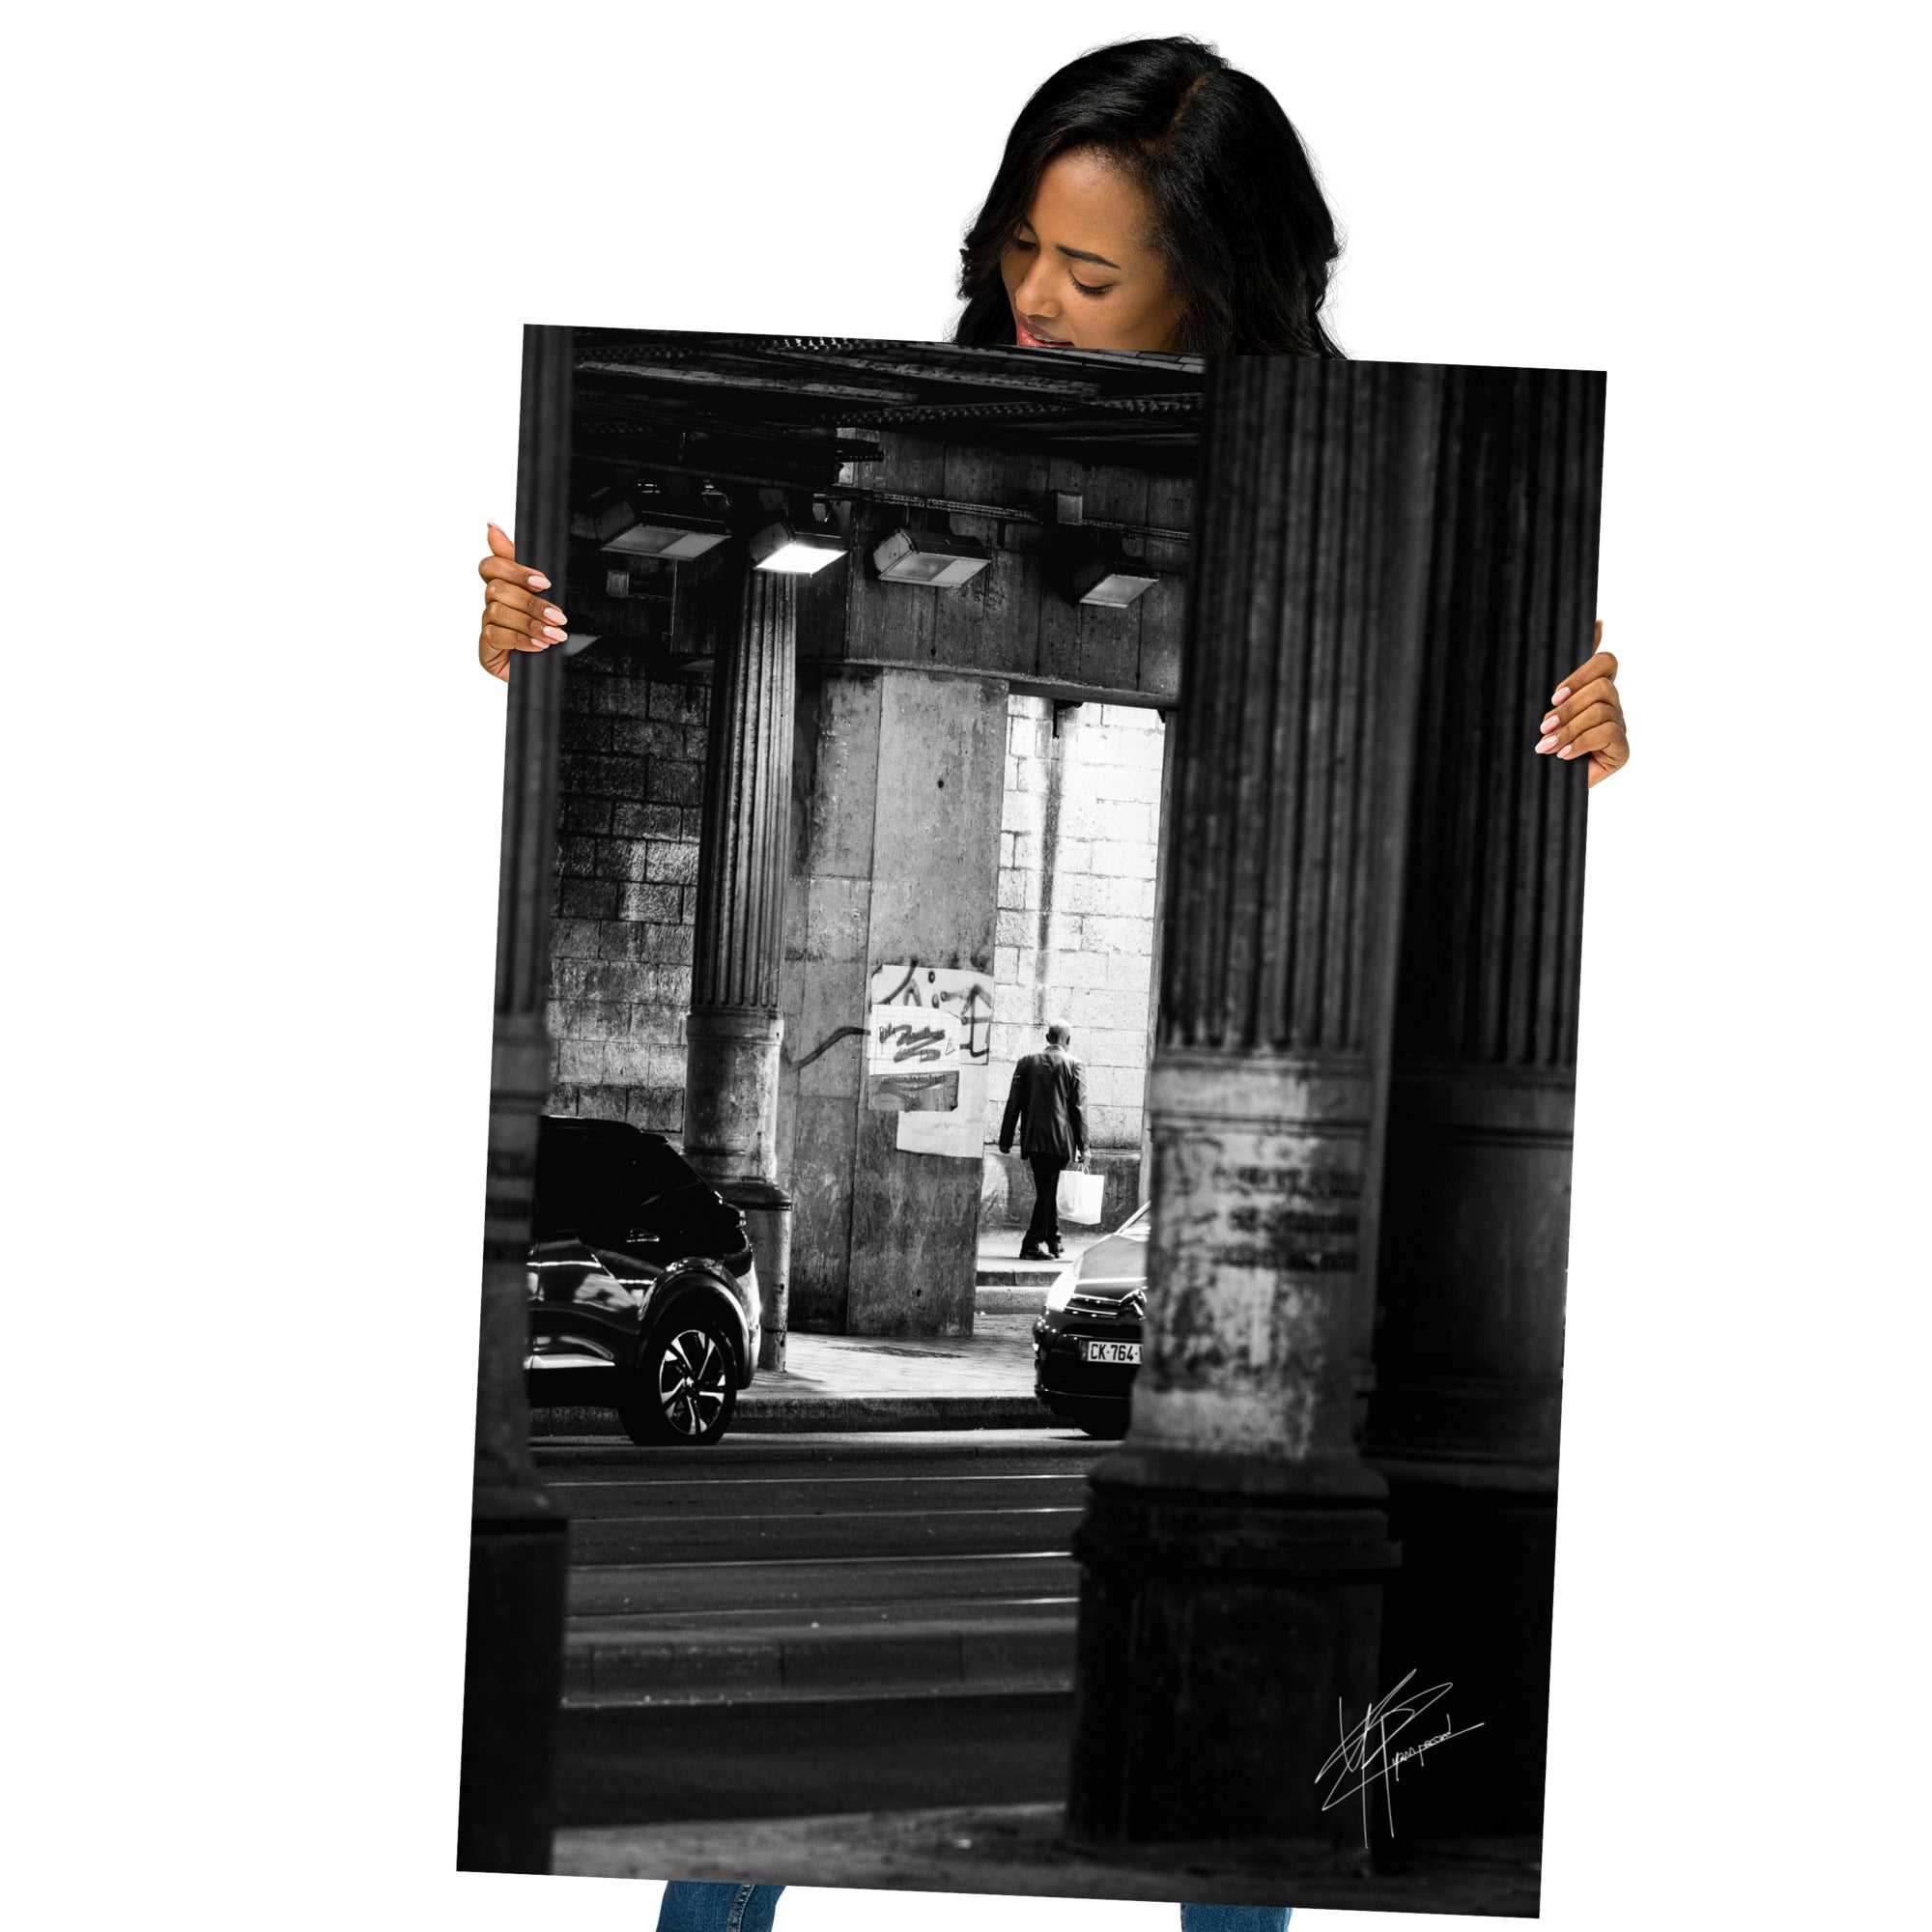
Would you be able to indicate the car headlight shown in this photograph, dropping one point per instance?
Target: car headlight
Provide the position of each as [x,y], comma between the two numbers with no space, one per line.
[1062,1290]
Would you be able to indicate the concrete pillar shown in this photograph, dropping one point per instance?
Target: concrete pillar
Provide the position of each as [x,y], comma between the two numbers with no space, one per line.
[1469,1352]
[823,988]
[1234,1549]
[733,1029]
[513,1664]
[915,1224]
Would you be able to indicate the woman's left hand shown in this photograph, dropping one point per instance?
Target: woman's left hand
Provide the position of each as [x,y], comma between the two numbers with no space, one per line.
[1586,716]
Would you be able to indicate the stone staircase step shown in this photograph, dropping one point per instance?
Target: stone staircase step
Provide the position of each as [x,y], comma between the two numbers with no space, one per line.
[956,1532]
[1010,1301]
[999,1272]
[673,1496]
[864,1582]
[620,1760]
[996,1648]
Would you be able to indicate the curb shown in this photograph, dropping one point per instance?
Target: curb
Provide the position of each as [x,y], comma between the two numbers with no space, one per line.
[758,1414]
[778,1449]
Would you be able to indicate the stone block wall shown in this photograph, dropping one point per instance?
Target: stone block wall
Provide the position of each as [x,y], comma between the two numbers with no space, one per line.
[1074,941]
[630,786]
[1078,845]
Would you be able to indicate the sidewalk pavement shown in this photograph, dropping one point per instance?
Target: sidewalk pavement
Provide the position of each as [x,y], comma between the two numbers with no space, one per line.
[982,1380]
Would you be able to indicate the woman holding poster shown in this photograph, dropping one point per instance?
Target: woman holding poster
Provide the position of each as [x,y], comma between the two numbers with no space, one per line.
[1151,198]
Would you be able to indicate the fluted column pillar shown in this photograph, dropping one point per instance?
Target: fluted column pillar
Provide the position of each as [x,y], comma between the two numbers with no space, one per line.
[1234,1548]
[513,1666]
[1469,1352]
[733,1029]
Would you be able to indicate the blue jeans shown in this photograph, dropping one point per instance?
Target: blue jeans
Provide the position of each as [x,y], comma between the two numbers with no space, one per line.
[690,1907]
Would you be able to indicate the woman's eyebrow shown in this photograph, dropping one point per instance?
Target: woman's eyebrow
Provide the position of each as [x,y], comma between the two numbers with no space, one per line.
[1088,255]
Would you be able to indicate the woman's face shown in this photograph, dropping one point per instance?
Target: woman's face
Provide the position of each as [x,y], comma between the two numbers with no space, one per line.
[1079,272]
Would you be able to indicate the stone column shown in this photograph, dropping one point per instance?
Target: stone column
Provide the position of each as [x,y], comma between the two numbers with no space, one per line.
[513,1666]
[1469,1352]
[1235,1548]
[733,1029]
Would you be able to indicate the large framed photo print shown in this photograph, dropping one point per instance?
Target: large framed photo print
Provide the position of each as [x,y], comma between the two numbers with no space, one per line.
[968,767]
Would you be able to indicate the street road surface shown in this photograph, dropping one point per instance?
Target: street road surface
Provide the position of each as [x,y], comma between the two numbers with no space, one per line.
[789,1624]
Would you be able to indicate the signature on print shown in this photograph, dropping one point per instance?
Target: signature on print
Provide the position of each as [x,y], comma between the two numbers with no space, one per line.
[1364,1754]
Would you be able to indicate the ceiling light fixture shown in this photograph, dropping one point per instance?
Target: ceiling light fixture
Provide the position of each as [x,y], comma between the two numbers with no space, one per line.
[1113,581]
[641,520]
[676,540]
[797,550]
[935,558]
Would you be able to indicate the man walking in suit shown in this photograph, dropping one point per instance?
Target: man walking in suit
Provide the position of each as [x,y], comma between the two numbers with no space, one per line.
[1048,1102]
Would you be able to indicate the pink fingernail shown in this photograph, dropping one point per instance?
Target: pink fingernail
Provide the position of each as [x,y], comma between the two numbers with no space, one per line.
[1568,751]
[1547,744]
[538,580]
[556,636]
[555,616]
[1550,723]
[1559,695]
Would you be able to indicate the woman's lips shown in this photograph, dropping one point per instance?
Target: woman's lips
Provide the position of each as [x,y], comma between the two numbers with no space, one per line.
[1031,339]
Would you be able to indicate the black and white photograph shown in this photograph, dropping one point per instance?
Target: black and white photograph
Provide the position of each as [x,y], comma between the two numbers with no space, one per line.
[1038,1015]
[966,967]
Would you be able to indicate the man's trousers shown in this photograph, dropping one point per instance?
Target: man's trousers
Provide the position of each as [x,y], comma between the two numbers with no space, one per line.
[1043,1230]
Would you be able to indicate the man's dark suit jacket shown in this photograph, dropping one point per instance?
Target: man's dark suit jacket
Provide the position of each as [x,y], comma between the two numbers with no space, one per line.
[1048,1100]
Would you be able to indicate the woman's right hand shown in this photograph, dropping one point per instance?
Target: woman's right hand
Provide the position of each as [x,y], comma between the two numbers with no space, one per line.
[515,619]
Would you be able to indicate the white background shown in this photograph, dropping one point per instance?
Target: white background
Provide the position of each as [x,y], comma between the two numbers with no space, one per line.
[267,272]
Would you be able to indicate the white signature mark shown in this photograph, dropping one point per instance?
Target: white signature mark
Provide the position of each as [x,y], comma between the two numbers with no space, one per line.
[1365,1749]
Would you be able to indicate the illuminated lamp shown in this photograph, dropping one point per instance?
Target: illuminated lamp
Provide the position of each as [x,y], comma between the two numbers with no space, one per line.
[797,550]
[1114,582]
[937,559]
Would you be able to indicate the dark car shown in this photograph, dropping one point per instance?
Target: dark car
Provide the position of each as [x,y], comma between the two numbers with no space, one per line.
[1087,1346]
[643,1295]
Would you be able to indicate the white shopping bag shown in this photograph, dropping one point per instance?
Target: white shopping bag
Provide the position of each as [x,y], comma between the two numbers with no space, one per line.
[1079,1195]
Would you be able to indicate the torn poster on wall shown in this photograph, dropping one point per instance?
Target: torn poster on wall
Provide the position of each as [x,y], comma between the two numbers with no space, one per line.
[929,1051]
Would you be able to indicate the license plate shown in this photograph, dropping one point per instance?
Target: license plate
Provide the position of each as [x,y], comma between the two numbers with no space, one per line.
[1111,1351]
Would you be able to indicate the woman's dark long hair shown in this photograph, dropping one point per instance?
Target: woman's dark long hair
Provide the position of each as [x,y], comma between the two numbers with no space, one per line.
[1242,229]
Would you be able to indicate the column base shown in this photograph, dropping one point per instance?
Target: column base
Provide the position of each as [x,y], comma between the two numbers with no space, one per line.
[730,1115]
[512,1682]
[767,1211]
[1220,1629]
[1473,1606]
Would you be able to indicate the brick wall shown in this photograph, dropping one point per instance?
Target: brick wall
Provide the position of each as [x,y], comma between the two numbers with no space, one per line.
[1078,845]
[629,789]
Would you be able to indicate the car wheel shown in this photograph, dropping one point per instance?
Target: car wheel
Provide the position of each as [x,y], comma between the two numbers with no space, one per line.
[685,1389]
